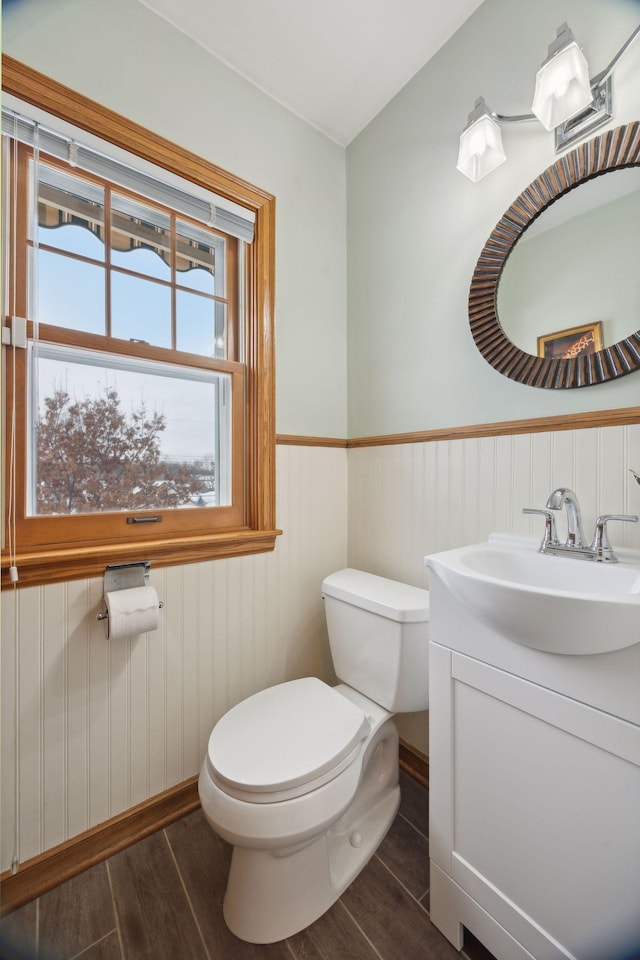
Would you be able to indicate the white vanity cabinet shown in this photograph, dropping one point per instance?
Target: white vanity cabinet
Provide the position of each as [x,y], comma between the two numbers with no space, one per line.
[534,792]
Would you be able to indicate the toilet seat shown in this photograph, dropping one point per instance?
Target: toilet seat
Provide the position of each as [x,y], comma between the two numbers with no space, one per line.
[285,741]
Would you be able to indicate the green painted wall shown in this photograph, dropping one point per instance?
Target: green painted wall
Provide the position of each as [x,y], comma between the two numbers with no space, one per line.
[119,53]
[416,226]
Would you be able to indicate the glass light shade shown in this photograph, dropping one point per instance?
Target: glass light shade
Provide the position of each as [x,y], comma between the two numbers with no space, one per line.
[480,149]
[563,87]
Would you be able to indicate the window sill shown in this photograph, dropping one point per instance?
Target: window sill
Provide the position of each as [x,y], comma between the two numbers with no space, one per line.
[57,565]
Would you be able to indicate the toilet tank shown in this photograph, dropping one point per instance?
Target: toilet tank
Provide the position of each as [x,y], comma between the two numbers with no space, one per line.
[379,637]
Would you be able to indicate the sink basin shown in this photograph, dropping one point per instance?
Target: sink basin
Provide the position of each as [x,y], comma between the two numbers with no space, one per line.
[556,604]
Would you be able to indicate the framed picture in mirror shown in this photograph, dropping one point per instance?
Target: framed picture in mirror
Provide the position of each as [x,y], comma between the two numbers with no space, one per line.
[571,343]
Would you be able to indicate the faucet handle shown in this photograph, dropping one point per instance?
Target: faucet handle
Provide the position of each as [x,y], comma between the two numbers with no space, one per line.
[601,544]
[550,533]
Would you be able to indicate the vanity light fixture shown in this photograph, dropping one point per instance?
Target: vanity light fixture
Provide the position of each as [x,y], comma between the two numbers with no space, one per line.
[565,100]
[481,148]
[563,87]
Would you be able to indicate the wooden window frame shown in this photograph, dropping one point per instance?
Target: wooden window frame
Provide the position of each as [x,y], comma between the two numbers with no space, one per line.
[256,532]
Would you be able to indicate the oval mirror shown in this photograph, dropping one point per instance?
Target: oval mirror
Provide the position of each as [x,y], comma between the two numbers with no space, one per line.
[555,296]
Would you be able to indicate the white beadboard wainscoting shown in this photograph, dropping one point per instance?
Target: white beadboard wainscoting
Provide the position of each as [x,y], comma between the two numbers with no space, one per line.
[102,726]
[411,499]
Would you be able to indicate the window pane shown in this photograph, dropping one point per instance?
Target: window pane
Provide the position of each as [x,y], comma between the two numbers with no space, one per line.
[70,213]
[199,260]
[70,293]
[200,325]
[113,435]
[74,239]
[140,238]
[140,310]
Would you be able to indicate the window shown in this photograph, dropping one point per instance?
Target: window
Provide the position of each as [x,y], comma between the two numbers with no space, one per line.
[139,396]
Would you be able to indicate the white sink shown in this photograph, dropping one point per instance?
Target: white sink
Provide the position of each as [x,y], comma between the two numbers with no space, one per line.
[551,603]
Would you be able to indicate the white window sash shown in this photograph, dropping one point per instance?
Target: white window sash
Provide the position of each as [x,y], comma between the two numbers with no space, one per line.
[78,355]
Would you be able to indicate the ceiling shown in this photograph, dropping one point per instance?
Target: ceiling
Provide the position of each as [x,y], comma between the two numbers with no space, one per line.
[336,64]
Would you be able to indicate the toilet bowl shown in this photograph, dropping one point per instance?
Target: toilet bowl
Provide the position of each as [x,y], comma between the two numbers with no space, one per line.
[302,778]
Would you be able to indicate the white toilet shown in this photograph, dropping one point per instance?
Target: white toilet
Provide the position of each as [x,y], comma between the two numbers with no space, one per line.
[302,778]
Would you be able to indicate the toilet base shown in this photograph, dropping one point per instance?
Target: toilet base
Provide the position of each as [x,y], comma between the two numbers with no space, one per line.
[273,894]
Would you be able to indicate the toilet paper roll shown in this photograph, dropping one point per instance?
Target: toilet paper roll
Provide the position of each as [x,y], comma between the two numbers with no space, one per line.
[132,611]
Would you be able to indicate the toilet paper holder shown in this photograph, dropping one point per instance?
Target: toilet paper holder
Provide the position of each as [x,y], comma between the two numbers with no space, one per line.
[124,576]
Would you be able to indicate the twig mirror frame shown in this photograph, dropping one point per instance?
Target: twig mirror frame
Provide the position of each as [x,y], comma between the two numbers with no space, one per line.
[613,150]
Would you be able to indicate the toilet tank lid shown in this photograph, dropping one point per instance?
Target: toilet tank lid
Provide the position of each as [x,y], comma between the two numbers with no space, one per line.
[387,598]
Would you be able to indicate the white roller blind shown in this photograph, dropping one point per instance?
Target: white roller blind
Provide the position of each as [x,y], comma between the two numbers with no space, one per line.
[93,161]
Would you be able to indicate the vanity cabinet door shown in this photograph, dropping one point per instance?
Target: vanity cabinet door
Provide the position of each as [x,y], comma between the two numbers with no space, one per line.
[535,809]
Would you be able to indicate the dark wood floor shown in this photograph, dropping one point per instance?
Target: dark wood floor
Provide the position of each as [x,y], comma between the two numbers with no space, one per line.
[162,900]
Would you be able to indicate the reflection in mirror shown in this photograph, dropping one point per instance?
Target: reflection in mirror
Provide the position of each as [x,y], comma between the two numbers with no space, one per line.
[539,302]
[577,266]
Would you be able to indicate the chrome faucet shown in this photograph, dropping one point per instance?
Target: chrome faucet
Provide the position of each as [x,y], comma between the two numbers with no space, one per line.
[575,546]
[567,498]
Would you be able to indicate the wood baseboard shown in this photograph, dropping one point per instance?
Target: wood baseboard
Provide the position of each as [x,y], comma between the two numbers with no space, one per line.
[40,874]
[415,763]
[68,859]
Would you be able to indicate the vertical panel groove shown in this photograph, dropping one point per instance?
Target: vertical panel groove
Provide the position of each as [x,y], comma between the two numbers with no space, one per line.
[17,712]
[65,658]
[129,645]
[165,699]
[87,701]
[109,697]
[181,673]
[147,716]
[41,669]
[196,684]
